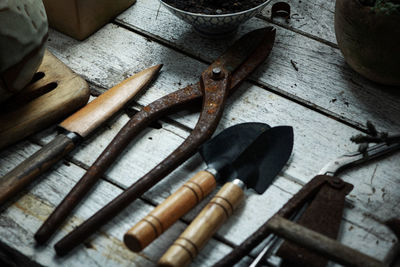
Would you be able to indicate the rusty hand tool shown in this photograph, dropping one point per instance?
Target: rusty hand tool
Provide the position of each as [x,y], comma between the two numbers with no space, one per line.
[76,127]
[240,60]
[218,153]
[327,180]
[255,168]
[394,225]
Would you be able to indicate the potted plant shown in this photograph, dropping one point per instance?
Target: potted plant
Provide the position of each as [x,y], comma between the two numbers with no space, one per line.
[368,34]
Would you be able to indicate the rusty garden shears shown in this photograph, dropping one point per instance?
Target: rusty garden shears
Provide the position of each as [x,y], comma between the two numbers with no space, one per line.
[216,82]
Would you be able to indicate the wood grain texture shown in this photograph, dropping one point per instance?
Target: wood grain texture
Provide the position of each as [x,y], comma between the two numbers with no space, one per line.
[21,176]
[251,103]
[257,105]
[114,53]
[323,81]
[106,249]
[84,121]
[209,220]
[310,18]
[40,104]
[365,234]
[33,208]
[169,211]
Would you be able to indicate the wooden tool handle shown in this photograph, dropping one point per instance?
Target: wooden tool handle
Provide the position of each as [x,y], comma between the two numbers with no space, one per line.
[217,211]
[168,212]
[14,181]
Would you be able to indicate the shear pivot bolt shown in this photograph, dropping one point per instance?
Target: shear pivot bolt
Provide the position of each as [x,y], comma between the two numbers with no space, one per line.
[336,183]
[216,73]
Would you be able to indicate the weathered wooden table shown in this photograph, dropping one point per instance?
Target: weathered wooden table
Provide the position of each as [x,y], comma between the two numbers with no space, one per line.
[323,99]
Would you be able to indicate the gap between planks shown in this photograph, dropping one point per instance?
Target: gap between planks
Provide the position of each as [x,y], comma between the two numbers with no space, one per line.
[306,34]
[186,222]
[84,166]
[277,91]
[134,106]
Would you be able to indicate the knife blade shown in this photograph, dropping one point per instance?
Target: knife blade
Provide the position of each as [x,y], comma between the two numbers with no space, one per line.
[218,153]
[255,168]
[73,129]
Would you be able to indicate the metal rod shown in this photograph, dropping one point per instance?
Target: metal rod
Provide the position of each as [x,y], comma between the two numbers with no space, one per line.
[352,159]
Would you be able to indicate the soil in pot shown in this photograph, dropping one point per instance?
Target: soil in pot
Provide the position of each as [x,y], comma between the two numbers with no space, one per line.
[214,7]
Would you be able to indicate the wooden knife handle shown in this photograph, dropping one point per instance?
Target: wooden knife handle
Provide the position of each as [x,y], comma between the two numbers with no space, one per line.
[14,181]
[168,212]
[196,235]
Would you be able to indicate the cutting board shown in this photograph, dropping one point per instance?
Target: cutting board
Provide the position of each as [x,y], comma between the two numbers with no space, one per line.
[55,92]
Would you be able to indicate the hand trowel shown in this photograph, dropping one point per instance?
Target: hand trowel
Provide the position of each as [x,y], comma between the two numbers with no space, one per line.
[255,168]
[218,153]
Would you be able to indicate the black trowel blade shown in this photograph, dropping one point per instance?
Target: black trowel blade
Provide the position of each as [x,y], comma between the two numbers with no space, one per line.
[229,144]
[258,165]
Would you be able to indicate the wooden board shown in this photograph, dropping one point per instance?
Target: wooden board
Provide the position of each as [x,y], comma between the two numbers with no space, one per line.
[144,36]
[252,103]
[55,93]
[313,19]
[323,82]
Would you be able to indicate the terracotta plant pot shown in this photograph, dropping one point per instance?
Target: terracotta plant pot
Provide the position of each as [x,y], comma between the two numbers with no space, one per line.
[369,41]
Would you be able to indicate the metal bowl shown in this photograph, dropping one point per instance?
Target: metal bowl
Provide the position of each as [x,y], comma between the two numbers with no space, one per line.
[215,25]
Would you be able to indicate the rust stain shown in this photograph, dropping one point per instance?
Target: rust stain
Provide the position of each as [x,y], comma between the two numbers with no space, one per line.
[203,130]
[89,245]
[33,206]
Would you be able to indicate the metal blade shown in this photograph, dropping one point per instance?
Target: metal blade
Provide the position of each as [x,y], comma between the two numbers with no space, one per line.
[355,158]
[258,165]
[244,47]
[224,148]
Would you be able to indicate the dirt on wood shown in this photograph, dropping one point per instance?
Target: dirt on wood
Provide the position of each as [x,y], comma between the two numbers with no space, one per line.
[214,7]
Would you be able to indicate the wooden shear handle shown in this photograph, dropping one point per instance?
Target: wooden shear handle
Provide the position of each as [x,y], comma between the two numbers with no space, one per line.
[210,219]
[169,211]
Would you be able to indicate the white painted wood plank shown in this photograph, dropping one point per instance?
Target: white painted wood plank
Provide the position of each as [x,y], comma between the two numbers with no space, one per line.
[250,104]
[140,157]
[311,18]
[123,171]
[41,200]
[153,145]
[323,79]
[312,148]
[108,57]
[22,218]
[25,214]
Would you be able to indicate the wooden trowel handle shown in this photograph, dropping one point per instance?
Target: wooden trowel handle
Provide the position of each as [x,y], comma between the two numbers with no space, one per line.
[168,212]
[196,235]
